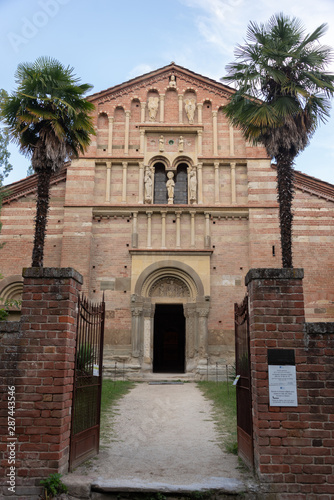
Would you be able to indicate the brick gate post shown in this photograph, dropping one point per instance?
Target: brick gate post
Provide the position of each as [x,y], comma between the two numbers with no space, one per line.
[40,368]
[276,321]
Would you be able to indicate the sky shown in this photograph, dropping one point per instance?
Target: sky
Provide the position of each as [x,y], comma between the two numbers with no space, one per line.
[108,42]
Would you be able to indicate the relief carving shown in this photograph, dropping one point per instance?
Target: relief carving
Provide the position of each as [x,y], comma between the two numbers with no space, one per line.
[153,105]
[169,287]
[190,106]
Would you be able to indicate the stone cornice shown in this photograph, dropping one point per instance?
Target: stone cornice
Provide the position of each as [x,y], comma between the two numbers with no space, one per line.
[236,213]
[164,251]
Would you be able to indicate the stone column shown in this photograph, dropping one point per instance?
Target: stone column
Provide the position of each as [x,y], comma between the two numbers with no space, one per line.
[149,229]
[199,112]
[200,183]
[142,142]
[181,108]
[202,309]
[142,111]
[215,132]
[136,328]
[108,181]
[125,168]
[231,141]
[200,142]
[217,194]
[141,183]
[192,229]
[178,229]
[191,336]
[233,184]
[148,314]
[162,108]
[127,130]
[207,237]
[110,132]
[134,236]
[163,228]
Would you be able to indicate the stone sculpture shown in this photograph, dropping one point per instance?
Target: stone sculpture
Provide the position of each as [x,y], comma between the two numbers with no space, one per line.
[148,185]
[192,185]
[170,184]
[161,144]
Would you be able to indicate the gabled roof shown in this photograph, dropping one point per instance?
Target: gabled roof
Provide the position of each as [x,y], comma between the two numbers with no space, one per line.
[27,186]
[156,75]
[314,186]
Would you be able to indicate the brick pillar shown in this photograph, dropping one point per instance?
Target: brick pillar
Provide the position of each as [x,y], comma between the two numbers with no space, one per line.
[276,319]
[40,368]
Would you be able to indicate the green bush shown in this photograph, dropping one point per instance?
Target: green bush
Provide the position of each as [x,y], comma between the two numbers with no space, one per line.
[53,486]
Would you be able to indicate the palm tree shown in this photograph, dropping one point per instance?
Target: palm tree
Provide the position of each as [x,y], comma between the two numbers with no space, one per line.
[282,94]
[48,117]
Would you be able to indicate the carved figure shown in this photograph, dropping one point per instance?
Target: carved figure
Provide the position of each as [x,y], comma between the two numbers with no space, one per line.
[161,144]
[172,81]
[148,185]
[190,106]
[153,105]
[181,142]
[170,184]
[192,185]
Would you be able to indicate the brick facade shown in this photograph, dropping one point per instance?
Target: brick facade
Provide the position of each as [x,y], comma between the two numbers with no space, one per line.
[37,359]
[293,446]
[102,224]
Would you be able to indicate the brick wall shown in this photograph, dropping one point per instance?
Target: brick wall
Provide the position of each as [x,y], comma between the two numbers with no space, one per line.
[38,361]
[293,446]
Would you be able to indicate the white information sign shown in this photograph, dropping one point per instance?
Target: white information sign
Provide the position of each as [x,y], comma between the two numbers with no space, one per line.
[282,385]
[96,371]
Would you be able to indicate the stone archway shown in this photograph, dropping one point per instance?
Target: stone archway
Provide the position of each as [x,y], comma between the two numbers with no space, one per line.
[170,282]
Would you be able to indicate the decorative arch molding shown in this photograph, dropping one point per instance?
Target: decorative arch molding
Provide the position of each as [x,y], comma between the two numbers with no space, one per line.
[167,268]
[11,288]
[182,159]
[159,159]
[177,282]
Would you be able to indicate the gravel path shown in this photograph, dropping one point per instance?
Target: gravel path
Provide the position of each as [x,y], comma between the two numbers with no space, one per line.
[162,433]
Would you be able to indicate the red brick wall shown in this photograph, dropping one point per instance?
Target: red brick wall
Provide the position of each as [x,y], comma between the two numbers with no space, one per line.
[38,361]
[293,446]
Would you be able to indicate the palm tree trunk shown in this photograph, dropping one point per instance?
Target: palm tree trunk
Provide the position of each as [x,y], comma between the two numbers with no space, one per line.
[285,177]
[41,219]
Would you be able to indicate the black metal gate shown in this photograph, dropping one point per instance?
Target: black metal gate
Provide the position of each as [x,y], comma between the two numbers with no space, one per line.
[244,388]
[85,426]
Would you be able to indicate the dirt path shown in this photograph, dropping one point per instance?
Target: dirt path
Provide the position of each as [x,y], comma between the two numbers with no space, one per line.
[163,433]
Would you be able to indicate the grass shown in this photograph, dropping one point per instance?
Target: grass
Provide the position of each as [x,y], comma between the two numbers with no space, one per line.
[225,411]
[112,391]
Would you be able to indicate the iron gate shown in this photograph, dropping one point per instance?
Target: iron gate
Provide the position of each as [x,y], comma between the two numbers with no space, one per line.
[244,388]
[85,426]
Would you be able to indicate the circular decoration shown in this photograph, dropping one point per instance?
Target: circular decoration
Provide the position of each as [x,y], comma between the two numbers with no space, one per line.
[171,142]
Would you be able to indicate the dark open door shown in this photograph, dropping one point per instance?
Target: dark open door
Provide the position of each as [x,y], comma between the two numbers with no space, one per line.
[169,339]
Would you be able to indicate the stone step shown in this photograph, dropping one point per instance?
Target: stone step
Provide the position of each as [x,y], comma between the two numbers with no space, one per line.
[213,488]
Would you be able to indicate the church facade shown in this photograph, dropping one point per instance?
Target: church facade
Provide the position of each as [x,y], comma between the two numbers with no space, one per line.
[164,215]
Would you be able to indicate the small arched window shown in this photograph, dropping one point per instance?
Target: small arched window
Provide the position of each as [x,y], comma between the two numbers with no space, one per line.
[160,179]
[181,185]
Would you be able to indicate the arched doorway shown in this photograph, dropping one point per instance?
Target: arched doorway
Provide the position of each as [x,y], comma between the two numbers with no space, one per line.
[169,318]
[169,339]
